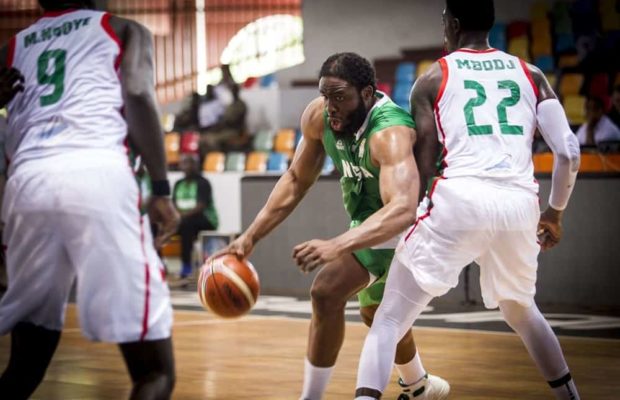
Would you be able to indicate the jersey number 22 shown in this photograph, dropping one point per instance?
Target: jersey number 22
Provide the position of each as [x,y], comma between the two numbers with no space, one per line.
[481,98]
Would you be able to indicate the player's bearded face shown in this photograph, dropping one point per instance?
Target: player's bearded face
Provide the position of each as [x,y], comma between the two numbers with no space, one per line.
[344,103]
[355,119]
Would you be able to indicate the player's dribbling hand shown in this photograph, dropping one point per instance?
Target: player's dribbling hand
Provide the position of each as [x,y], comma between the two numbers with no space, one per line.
[315,253]
[11,82]
[241,247]
[163,213]
[549,228]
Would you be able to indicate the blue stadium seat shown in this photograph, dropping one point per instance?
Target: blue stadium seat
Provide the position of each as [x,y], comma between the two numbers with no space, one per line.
[268,80]
[545,63]
[405,72]
[328,166]
[564,42]
[400,94]
[278,162]
[497,37]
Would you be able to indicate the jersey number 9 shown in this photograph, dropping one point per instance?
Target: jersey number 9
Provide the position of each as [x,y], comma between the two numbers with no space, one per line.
[51,71]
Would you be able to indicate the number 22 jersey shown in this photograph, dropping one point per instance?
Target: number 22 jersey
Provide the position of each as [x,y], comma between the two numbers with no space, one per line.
[486,117]
[72,99]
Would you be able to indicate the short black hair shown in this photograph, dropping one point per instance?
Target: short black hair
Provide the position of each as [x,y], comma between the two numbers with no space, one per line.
[474,15]
[52,5]
[352,68]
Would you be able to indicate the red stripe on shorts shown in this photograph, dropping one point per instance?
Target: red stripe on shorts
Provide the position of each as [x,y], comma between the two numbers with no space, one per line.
[147,276]
[427,213]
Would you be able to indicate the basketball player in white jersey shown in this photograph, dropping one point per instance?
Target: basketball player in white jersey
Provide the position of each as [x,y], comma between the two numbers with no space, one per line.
[72,205]
[478,108]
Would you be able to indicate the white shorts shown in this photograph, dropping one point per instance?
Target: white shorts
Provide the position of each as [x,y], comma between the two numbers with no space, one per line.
[468,219]
[63,222]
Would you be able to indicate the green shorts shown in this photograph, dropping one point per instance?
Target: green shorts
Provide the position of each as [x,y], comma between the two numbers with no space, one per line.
[377,262]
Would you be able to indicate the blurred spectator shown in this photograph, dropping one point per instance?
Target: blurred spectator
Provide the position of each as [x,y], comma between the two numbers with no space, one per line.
[229,128]
[210,110]
[614,113]
[200,113]
[224,89]
[193,199]
[598,126]
[187,118]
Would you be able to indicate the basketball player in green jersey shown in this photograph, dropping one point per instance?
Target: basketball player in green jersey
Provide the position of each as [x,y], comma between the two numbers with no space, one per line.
[370,140]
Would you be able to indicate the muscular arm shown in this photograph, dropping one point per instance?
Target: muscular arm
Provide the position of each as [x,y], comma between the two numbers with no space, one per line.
[545,92]
[137,79]
[145,131]
[297,180]
[399,184]
[422,102]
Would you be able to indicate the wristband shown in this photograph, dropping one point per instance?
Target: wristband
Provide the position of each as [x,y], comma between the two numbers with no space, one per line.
[160,188]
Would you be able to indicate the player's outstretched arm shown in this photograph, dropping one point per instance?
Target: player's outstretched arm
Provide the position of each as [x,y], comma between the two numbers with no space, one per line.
[553,126]
[292,186]
[141,113]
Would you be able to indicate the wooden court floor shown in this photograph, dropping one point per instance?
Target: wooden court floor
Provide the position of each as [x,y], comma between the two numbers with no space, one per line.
[262,358]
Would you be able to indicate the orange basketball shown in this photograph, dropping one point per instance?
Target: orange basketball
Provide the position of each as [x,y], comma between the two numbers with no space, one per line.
[227,286]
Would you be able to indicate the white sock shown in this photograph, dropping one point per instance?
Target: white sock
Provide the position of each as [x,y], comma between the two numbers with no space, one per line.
[412,371]
[315,381]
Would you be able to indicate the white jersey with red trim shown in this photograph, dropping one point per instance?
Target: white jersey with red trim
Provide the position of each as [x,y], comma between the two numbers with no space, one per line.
[72,98]
[486,115]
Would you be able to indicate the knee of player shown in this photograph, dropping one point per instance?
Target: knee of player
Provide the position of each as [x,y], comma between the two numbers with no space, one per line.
[161,382]
[327,298]
[367,314]
[514,313]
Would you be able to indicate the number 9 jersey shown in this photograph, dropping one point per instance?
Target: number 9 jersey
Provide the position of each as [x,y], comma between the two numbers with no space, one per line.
[72,98]
[486,117]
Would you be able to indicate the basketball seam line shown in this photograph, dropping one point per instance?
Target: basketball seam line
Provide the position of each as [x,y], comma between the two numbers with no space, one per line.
[232,275]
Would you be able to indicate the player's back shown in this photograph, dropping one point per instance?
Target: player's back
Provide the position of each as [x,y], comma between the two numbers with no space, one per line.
[486,114]
[72,99]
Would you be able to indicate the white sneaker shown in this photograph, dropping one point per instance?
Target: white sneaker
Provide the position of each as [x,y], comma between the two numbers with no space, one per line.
[430,388]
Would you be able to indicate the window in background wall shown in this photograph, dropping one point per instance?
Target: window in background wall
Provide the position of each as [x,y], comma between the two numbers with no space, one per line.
[173,25]
[172,22]
[265,46]
[255,36]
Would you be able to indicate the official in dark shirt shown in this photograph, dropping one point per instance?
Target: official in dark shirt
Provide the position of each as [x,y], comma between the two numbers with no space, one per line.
[193,198]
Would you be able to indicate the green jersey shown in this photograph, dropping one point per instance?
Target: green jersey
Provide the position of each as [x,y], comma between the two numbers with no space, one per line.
[188,192]
[360,183]
[351,155]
